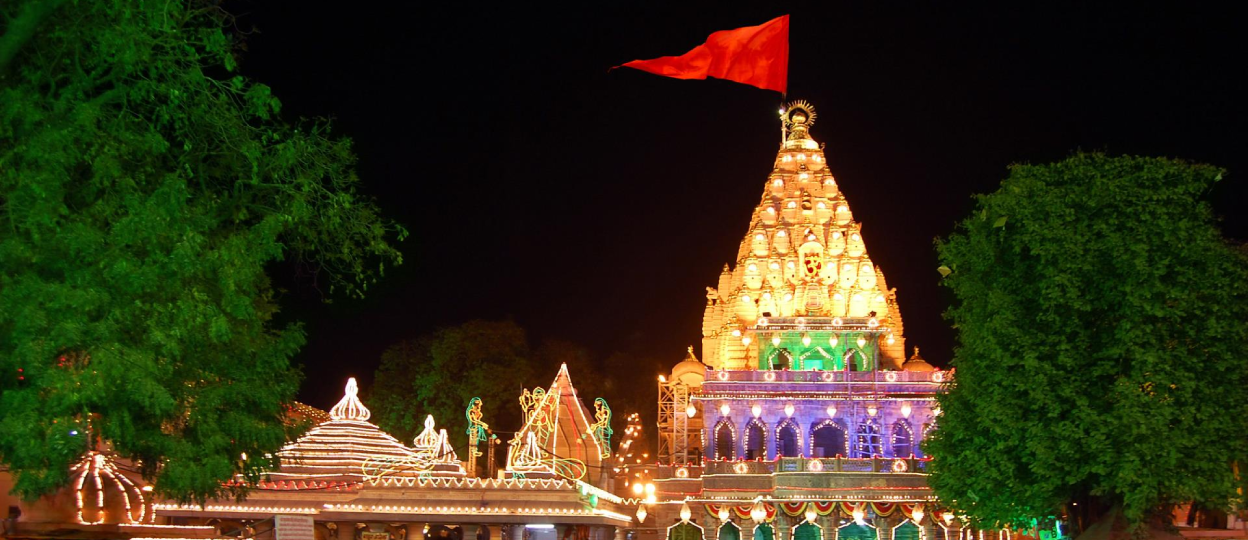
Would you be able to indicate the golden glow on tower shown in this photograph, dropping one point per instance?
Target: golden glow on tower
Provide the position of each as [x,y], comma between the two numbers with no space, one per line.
[802,258]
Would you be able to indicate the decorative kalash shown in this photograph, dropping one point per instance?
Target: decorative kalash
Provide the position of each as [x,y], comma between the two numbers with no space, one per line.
[803,418]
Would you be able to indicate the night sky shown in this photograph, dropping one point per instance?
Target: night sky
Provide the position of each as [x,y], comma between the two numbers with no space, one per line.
[595,207]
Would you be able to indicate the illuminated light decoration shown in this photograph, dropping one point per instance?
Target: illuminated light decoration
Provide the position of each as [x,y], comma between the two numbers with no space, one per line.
[833,340]
[872,410]
[917,514]
[872,322]
[775,341]
[791,266]
[826,376]
[855,237]
[780,234]
[641,514]
[821,206]
[803,177]
[98,467]
[938,376]
[756,410]
[724,409]
[770,376]
[691,411]
[814,466]
[947,516]
[774,265]
[836,321]
[741,468]
[859,515]
[650,489]
[861,342]
[753,267]
[935,411]
[890,376]
[723,375]
[662,378]
[905,410]
[890,340]
[682,472]
[477,431]
[771,210]
[899,465]
[792,204]
[758,513]
[806,339]
[811,514]
[766,296]
[777,182]
[745,340]
[638,489]
[759,236]
[789,410]
[552,439]
[685,512]
[762,321]
[724,516]
[736,332]
[745,298]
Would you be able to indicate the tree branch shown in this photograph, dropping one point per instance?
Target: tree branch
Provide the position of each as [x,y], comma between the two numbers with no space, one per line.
[22,28]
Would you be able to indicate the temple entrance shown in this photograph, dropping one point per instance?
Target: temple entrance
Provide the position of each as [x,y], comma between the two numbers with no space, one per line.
[828,440]
[684,531]
[723,441]
[868,443]
[786,441]
[903,440]
[906,531]
[755,441]
[764,532]
[854,531]
[807,531]
[729,531]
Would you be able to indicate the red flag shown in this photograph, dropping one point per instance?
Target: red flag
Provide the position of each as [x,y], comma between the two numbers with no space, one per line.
[753,55]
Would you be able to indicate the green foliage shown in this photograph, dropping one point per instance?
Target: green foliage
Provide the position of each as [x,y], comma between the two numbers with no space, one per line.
[440,372]
[145,188]
[1103,329]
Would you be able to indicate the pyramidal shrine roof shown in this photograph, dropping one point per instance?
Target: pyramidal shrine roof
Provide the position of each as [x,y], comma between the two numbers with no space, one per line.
[803,257]
[560,437]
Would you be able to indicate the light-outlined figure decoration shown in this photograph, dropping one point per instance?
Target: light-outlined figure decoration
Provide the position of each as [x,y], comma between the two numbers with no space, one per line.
[558,439]
[477,431]
[433,456]
[602,426]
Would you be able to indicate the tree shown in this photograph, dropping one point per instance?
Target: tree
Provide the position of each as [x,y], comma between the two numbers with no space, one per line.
[1102,334]
[440,372]
[145,189]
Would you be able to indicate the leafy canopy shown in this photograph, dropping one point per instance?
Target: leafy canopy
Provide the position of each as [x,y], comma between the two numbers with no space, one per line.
[1102,335]
[144,189]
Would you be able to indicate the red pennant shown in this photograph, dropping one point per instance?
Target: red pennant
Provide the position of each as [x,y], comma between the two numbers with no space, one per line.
[753,55]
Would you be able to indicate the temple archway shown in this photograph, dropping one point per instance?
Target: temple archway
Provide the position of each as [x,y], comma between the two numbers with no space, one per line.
[684,531]
[867,440]
[827,439]
[725,440]
[807,531]
[902,440]
[788,439]
[755,443]
[764,531]
[729,531]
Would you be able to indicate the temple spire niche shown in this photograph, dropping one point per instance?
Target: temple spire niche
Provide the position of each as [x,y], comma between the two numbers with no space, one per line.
[803,292]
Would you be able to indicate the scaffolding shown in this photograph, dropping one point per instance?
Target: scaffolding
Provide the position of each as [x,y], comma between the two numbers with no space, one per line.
[674,443]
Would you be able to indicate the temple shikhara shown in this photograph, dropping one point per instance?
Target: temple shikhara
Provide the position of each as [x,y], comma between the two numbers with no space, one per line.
[800,418]
[803,416]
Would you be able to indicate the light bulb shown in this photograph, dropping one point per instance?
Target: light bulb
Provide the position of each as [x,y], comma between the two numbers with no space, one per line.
[905,410]
[685,512]
[871,410]
[861,341]
[811,514]
[775,341]
[788,410]
[691,411]
[724,409]
[723,513]
[806,339]
[756,410]
[641,514]
[833,341]
[745,340]
[831,411]
[890,340]
[649,489]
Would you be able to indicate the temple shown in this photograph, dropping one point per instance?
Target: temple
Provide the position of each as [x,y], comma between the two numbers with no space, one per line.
[803,417]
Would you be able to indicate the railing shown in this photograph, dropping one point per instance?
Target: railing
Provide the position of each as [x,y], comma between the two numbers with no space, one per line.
[817,465]
[885,377]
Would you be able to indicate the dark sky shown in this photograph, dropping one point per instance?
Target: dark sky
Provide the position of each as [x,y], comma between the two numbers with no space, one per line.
[595,207]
